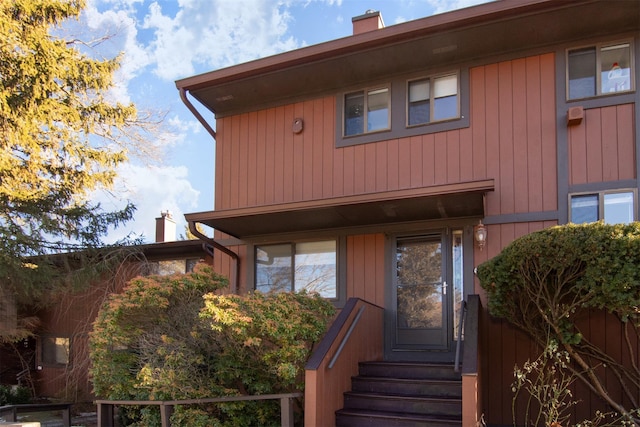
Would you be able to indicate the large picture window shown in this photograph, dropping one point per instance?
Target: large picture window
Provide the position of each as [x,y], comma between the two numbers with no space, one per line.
[432,99]
[599,70]
[613,207]
[293,267]
[366,111]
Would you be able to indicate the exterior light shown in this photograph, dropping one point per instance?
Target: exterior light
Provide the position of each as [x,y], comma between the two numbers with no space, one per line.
[480,234]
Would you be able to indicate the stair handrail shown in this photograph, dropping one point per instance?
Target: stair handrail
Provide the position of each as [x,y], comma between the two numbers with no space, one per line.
[471,335]
[463,315]
[346,336]
[322,349]
[356,335]
[472,399]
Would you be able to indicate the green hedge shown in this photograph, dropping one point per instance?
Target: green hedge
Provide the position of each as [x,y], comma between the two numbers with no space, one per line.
[176,338]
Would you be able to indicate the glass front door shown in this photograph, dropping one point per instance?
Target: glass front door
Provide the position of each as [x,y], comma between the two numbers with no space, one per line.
[421,292]
[426,295]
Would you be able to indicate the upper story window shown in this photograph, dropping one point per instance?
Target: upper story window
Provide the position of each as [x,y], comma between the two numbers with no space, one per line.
[600,70]
[404,106]
[367,111]
[293,267]
[614,207]
[432,99]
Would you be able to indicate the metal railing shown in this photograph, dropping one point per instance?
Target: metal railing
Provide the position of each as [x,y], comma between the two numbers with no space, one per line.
[106,407]
[463,315]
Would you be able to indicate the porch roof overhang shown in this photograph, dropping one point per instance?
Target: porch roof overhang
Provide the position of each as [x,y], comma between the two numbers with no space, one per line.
[465,35]
[458,200]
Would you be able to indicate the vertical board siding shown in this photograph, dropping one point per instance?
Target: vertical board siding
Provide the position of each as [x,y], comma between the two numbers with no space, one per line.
[504,346]
[602,147]
[365,267]
[72,316]
[511,139]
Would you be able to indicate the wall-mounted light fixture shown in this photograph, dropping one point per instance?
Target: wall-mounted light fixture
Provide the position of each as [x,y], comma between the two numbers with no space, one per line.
[480,234]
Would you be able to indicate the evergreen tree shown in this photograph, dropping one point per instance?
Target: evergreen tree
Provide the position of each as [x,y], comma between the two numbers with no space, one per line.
[61,140]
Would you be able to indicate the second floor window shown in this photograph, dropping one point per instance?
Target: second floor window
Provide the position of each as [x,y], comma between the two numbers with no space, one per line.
[599,70]
[615,207]
[432,99]
[366,111]
[293,267]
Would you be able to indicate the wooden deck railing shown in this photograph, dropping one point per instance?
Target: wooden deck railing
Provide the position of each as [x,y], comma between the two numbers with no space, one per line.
[471,378]
[356,335]
[106,408]
[10,412]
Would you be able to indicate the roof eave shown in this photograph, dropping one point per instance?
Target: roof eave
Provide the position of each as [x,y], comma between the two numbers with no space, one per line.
[499,9]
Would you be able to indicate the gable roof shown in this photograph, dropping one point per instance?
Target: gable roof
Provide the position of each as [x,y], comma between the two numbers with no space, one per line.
[496,28]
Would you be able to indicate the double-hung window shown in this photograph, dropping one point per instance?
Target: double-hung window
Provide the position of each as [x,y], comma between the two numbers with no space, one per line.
[600,70]
[367,111]
[611,206]
[432,99]
[293,267]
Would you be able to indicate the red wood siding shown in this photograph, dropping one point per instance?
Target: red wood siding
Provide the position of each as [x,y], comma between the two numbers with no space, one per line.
[513,133]
[324,386]
[511,139]
[72,317]
[602,147]
[365,268]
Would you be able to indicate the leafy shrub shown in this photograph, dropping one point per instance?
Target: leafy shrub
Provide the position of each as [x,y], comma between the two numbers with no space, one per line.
[10,395]
[173,338]
[544,281]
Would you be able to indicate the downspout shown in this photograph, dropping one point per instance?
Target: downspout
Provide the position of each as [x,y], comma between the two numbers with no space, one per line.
[208,240]
[196,113]
[192,224]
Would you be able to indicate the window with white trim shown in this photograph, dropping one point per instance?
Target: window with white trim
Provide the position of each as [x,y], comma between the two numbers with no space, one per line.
[599,70]
[293,267]
[613,207]
[432,99]
[367,111]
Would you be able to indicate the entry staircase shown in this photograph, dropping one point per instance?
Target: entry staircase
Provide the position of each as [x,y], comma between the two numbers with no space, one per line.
[406,394]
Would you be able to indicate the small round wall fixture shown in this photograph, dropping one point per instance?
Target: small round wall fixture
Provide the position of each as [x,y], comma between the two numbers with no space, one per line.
[298,125]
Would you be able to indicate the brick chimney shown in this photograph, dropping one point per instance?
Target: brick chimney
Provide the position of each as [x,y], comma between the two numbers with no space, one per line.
[370,21]
[165,228]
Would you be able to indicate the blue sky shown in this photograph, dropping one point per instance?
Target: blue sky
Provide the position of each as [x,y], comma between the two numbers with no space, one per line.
[165,40]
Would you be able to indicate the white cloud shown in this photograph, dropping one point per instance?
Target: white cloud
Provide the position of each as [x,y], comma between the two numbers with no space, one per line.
[216,34]
[119,28]
[152,190]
